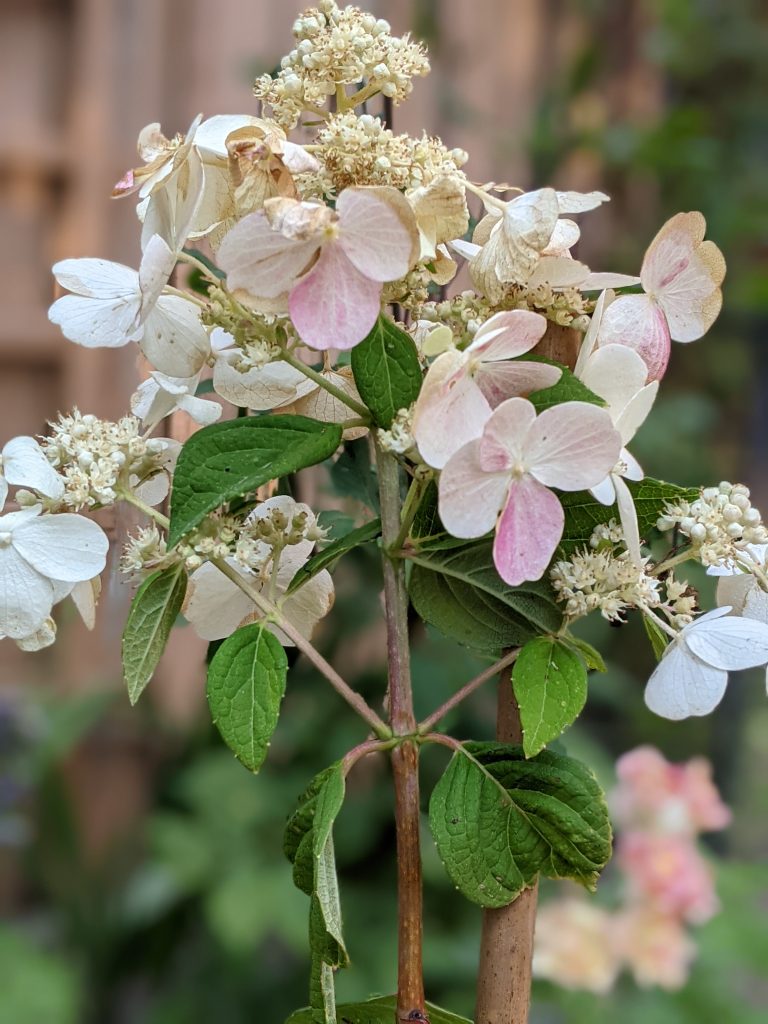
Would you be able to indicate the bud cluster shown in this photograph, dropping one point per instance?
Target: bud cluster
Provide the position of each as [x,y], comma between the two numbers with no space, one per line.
[249,330]
[337,47]
[720,523]
[399,438]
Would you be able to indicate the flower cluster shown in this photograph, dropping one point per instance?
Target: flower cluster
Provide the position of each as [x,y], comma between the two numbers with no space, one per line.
[98,457]
[719,525]
[338,47]
[660,809]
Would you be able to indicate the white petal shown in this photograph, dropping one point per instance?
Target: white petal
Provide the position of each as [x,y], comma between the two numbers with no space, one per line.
[601,280]
[615,373]
[589,344]
[307,606]
[172,210]
[682,686]
[211,136]
[200,410]
[98,323]
[756,604]
[214,605]
[260,388]
[157,264]
[604,492]
[85,596]
[636,411]
[572,446]
[470,498]
[174,340]
[450,410]
[733,590]
[3,491]
[24,465]
[729,642]
[628,517]
[558,272]
[95,279]
[64,547]
[26,597]
[564,237]
[580,202]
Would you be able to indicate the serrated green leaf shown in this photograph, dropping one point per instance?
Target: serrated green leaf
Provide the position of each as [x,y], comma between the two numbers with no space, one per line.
[568,389]
[457,589]
[550,684]
[590,654]
[246,685]
[376,1011]
[154,611]
[387,371]
[583,513]
[325,558]
[500,820]
[657,636]
[226,460]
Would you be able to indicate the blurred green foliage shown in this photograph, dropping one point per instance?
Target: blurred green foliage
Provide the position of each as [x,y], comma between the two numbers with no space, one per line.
[193,918]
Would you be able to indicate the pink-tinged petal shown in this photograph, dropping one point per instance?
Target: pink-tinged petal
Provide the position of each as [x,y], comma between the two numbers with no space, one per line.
[572,446]
[528,532]
[377,231]
[683,273]
[637,322]
[450,410]
[628,517]
[500,381]
[126,186]
[334,305]
[682,686]
[470,499]
[262,261]
[504,439]
[508,335]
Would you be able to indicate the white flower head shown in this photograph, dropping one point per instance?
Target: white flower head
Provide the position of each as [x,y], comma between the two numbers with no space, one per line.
[692,675]
[216,606]
[39,553]
[110,304]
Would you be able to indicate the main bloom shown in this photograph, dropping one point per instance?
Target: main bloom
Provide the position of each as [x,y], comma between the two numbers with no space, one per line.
[461,389]
[327,267]
[503,479]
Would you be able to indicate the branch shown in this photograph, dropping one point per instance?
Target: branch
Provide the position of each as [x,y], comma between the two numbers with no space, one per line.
[474,684]
[506,945]
[270,611]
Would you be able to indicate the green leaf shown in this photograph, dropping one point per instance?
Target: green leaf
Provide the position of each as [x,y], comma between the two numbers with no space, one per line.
[246,685]
[329,802]
[550,684]
[227,460]
[568,389]
[500,820]
[458,590]
[376,1011]
[387,371]
[362,535]
[153,613]
[657,636]
[583,513]
[590,654]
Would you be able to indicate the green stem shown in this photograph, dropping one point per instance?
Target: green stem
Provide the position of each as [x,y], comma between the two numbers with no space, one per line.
[474,684]
[193,261]
[670,563]
[411,1003]
[273,614]
[410,508]
[326,385]
[158,517]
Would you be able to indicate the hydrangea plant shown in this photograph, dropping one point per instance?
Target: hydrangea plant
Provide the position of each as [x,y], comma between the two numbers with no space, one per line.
[311,284]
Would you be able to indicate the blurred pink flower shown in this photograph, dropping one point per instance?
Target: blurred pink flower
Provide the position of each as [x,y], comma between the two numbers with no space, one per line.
[668,872]
[575,946]
[655,947]
[670,797]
